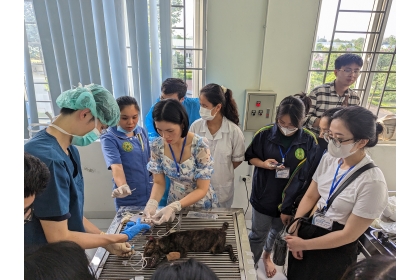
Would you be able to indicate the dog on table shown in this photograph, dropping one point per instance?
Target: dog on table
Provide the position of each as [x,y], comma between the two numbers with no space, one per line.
[211,240]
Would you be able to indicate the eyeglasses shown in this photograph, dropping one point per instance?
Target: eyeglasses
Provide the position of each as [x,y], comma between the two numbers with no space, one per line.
[350,71]
[335,141]
[28,218]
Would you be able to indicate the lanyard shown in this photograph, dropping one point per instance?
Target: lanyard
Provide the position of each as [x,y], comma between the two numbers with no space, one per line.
[283,156]
[180,158]
[141,141]
[334,186]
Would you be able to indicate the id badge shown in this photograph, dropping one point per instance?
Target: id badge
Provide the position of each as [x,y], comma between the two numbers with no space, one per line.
[180,188]
[321,220]
[283,173]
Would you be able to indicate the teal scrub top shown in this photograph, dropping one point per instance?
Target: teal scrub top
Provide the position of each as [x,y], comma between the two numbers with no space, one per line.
[63,197]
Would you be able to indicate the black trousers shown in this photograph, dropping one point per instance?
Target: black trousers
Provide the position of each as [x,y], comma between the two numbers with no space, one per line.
[327,264]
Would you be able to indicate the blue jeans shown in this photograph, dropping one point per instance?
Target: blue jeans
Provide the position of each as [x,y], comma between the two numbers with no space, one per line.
[263,233]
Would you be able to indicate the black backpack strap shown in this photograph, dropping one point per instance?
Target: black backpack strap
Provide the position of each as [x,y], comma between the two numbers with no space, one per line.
[348,181]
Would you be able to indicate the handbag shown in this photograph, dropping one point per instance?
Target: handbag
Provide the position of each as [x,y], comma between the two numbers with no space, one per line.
[280,248]
[310,230]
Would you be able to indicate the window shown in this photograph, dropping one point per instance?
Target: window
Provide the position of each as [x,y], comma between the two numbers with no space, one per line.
[366,28]
[42,93]
[188,60]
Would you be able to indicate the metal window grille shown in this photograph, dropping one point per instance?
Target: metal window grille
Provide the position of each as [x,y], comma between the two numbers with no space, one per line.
[376,83]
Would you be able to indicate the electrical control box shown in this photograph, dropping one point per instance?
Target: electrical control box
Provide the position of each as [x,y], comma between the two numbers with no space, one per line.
[260,109]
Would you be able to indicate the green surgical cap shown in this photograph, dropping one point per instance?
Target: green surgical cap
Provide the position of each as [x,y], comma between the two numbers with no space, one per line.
[98,99]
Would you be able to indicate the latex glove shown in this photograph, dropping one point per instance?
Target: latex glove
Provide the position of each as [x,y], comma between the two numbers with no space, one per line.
[121,191]
[120,249]
[167,214]
[132,230]
[150,208]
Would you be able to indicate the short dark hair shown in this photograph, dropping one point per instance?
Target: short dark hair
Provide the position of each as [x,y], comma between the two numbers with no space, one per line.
[361,122]
[174,85]
[170,110]
[124,101]
[347,59]
[64,260]
[379,267]
[36,175]
[293,107]
[215,95]
[188,270]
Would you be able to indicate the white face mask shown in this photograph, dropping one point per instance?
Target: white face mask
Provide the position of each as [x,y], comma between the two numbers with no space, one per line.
[287,131]
[342,152]
[205,114]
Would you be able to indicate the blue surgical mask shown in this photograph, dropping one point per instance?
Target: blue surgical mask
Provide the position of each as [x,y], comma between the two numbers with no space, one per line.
[120,129]
[84,140]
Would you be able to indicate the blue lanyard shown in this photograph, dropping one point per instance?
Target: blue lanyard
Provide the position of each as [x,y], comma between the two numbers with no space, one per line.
[334,186]
[180,158]
[283,156]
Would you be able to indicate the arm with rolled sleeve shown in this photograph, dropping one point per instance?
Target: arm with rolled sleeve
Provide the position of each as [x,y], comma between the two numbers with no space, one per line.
[112,158]
[312,116]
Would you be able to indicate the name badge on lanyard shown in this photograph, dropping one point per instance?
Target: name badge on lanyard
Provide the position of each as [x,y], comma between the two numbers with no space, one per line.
[283,173]
[321,220]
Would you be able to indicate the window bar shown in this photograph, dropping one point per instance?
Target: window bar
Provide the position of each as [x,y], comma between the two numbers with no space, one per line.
[376,46]
[332,39]
[385,84]
[362,11]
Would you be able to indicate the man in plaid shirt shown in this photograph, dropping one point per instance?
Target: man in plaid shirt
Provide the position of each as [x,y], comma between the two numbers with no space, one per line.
[337,93]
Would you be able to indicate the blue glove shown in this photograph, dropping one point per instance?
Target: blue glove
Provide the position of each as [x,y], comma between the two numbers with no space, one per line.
[132,230]
[129,224]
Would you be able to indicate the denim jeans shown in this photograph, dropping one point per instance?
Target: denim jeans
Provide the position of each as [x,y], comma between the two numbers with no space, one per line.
[263,233]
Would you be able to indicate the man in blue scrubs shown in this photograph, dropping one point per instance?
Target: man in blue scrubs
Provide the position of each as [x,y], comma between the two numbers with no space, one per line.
[173,88]
[58,211]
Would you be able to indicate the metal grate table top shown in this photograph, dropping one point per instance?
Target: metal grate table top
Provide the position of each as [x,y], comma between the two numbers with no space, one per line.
[108,266]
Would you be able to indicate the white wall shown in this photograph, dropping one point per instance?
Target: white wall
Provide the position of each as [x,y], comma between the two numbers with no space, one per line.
[235,40]
[234,45]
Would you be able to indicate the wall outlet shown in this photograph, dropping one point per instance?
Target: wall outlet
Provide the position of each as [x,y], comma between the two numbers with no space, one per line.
[247,178]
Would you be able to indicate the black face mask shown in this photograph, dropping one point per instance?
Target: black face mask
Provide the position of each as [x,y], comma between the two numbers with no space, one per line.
[322,144]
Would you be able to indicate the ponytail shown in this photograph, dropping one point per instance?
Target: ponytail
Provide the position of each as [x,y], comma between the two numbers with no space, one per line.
[230,110]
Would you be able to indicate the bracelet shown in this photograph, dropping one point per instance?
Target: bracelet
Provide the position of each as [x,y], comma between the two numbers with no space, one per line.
[102,233]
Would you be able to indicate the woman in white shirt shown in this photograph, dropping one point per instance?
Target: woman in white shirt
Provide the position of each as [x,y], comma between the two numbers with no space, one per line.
[326,252]
[219,124]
